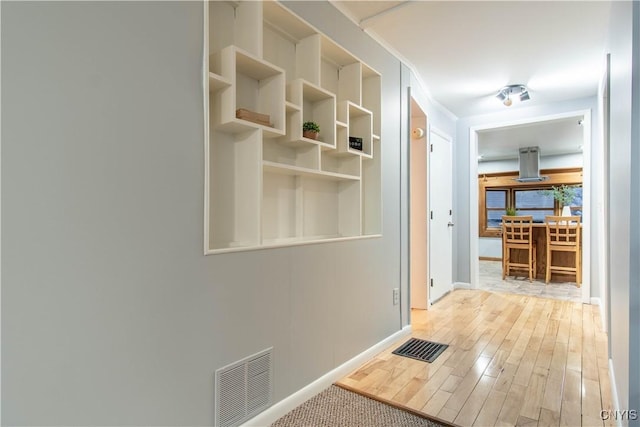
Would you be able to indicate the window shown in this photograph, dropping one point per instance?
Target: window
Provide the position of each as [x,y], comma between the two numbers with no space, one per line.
[499,191]
[533,202]
[576,206]
[496,206]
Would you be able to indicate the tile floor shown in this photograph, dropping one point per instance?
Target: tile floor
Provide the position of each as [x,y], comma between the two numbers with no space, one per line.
[491,280]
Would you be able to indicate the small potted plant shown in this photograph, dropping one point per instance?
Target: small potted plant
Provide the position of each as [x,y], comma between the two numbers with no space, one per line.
[310,130]
[511,211]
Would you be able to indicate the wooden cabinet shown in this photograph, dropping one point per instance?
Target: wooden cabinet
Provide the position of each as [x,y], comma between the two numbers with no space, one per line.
[265,183]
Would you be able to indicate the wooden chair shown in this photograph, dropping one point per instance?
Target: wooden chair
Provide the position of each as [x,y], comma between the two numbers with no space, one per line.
[563,235]
[517,233]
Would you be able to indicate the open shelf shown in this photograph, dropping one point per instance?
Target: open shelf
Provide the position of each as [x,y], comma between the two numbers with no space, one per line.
[285,169]
[266,185]
[217,82]
[291,107]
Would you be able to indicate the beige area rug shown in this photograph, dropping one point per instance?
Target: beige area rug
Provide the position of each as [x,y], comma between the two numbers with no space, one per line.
[337,406]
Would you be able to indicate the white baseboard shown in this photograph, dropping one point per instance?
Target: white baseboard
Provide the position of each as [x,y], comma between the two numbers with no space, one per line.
[603,322]
[281,408]
[614,393]
[462,285]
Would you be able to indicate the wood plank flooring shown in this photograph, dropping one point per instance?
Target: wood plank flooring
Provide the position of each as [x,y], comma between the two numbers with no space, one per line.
[512,360]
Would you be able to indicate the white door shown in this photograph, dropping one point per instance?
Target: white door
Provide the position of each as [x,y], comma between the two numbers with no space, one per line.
[441,214]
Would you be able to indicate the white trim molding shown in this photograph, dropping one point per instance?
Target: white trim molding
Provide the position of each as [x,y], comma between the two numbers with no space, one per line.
[462,285]
[281,408]
[614,393]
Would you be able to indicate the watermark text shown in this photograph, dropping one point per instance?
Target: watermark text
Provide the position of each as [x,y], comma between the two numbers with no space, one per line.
[619,414]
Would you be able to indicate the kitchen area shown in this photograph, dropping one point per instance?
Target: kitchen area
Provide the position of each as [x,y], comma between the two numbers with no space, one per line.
[516,178]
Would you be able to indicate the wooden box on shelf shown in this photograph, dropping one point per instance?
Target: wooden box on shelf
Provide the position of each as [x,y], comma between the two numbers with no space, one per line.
[252,116]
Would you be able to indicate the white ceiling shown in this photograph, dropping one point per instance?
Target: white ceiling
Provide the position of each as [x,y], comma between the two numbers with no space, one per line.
[465,51]
[553,137]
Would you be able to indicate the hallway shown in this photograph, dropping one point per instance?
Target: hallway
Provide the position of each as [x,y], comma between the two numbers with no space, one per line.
[511,360]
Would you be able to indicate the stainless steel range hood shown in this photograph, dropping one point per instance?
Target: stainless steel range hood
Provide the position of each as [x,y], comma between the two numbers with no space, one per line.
[529,160]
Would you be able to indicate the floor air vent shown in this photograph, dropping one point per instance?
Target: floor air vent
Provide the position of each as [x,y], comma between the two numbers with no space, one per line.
[426,351]
[243,389]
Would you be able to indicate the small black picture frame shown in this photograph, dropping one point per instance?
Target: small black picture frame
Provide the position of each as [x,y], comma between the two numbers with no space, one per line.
[355,143]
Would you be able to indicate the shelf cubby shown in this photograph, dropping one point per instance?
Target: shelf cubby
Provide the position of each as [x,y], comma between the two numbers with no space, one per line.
[308,60]
[305,205]
[347,165]
[350,83]
[372,192]
[235,178]
[338,69]
[371,97]
[317,105]
[359,124]
[217,82]
[256,85]
[342,141]
[281,206]
[302,155]
[330,208]
[221,17]
[290,43]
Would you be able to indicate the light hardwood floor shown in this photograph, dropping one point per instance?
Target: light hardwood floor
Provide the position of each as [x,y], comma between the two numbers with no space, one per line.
[511,360]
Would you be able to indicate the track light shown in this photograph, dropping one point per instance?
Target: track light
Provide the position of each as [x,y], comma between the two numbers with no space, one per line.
[505,94]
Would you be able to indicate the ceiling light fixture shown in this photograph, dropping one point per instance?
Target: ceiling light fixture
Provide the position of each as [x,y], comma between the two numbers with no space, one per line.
[508,93]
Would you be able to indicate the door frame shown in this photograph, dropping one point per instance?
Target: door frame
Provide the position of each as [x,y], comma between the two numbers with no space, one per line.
[474,264]
[416,111]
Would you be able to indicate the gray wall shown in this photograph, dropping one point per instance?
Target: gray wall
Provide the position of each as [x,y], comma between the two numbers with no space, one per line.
[624,197]
[110,312]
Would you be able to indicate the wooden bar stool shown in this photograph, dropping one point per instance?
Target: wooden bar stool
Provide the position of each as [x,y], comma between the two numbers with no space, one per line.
[563,235]
[517,233]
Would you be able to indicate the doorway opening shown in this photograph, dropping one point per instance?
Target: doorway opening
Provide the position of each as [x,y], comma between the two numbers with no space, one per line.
[430,211]
[478,246]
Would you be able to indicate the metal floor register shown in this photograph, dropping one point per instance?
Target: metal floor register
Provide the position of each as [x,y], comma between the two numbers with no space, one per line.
[426,351]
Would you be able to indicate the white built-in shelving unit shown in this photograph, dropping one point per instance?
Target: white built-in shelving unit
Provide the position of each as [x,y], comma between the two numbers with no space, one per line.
[266,184]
